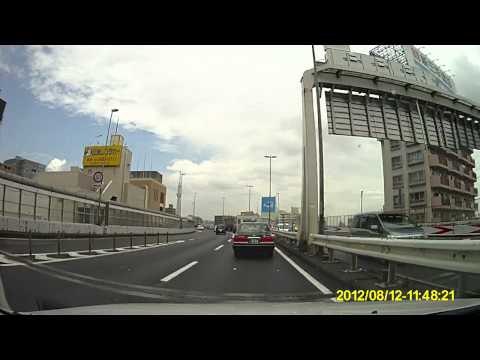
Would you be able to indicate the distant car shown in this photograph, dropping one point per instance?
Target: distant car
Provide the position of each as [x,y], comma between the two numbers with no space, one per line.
[220,229]
[200,227]
[254,237]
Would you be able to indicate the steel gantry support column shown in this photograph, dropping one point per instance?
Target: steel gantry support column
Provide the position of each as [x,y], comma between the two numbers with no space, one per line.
[309,217]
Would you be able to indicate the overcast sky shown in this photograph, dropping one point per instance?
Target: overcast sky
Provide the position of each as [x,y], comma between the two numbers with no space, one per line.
[210,111]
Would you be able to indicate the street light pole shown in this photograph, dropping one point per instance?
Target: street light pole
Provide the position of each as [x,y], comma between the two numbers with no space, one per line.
[278,205]
[270,157]
[103,166]
[194,198]
[249,193]
[361,201]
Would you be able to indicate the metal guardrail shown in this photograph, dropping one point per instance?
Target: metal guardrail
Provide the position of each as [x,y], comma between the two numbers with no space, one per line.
[454,255]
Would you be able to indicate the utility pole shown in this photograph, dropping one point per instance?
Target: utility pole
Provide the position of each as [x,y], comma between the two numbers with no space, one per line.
[223,207]
[194,198]
[270,157]
[361,201]
[278,206]
[179,197]
[103,166]
[249,193]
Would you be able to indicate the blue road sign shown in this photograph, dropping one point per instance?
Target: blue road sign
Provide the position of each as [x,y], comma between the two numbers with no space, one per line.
[268,203]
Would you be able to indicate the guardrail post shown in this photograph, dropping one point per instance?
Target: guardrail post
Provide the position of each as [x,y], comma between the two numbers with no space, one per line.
[58,243]
[158,238]
[392,272]
[354,265]
[460,286]
[114,241]
[131,241]
[330,258]
[145,240]
[90,243]
[30,243]
[390,277]
[167,237]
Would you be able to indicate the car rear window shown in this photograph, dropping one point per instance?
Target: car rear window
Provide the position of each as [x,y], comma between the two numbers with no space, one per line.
[253,228]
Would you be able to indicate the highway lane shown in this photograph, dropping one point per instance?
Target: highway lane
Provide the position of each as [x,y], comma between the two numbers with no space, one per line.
[214,271]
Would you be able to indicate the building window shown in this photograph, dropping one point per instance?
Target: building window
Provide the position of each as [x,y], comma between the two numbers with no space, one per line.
[417,177]
[457,183]
[443,160]
[398,180]
[458,202]
[417,197]
[155,195]
[456,165]
[394,145]
[445,199]
[414,157]
[398,198]
[396,162]
[162,198]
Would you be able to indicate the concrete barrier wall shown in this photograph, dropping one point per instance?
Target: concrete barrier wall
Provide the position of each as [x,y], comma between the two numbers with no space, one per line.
[51,227]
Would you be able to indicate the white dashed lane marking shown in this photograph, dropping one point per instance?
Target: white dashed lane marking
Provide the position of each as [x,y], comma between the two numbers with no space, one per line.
[218,247]
[179,271]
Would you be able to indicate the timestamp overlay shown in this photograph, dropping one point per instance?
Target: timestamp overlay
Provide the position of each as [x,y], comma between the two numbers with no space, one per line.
[394,295]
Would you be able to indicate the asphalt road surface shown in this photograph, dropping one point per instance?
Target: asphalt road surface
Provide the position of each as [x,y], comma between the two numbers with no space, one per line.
[198,267]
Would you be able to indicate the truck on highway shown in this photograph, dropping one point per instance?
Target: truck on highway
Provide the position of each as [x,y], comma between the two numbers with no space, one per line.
[227,221]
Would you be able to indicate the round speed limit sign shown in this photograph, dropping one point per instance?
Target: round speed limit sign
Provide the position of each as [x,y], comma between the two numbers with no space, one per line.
[98,177]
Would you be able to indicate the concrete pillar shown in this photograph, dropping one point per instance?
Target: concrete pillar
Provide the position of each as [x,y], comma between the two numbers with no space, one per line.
[309,218]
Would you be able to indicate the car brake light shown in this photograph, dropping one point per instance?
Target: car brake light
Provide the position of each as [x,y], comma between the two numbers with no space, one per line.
[266,238]
[240,238]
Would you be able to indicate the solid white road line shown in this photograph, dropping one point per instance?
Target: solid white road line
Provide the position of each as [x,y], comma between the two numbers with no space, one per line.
[4,260]
[42,257]
[218,247]
[180,241]
[75,254]
[179,271]
[307,276]
[102,252]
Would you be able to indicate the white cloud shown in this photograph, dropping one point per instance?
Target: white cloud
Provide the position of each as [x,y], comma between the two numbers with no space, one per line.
[57,165]
[237,103]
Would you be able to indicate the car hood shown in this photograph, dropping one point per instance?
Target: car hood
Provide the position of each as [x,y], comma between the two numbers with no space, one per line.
[327,307]
[407,232]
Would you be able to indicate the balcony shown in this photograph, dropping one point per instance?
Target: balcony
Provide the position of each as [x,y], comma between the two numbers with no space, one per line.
[435,160]
[438,202]
[418,202]
[440,181]
[466,158]
[457,185]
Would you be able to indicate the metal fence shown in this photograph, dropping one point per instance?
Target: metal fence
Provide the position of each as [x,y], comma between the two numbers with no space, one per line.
[24,199]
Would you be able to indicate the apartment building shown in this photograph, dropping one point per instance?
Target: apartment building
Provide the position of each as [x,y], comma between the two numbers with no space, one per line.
[430,184]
